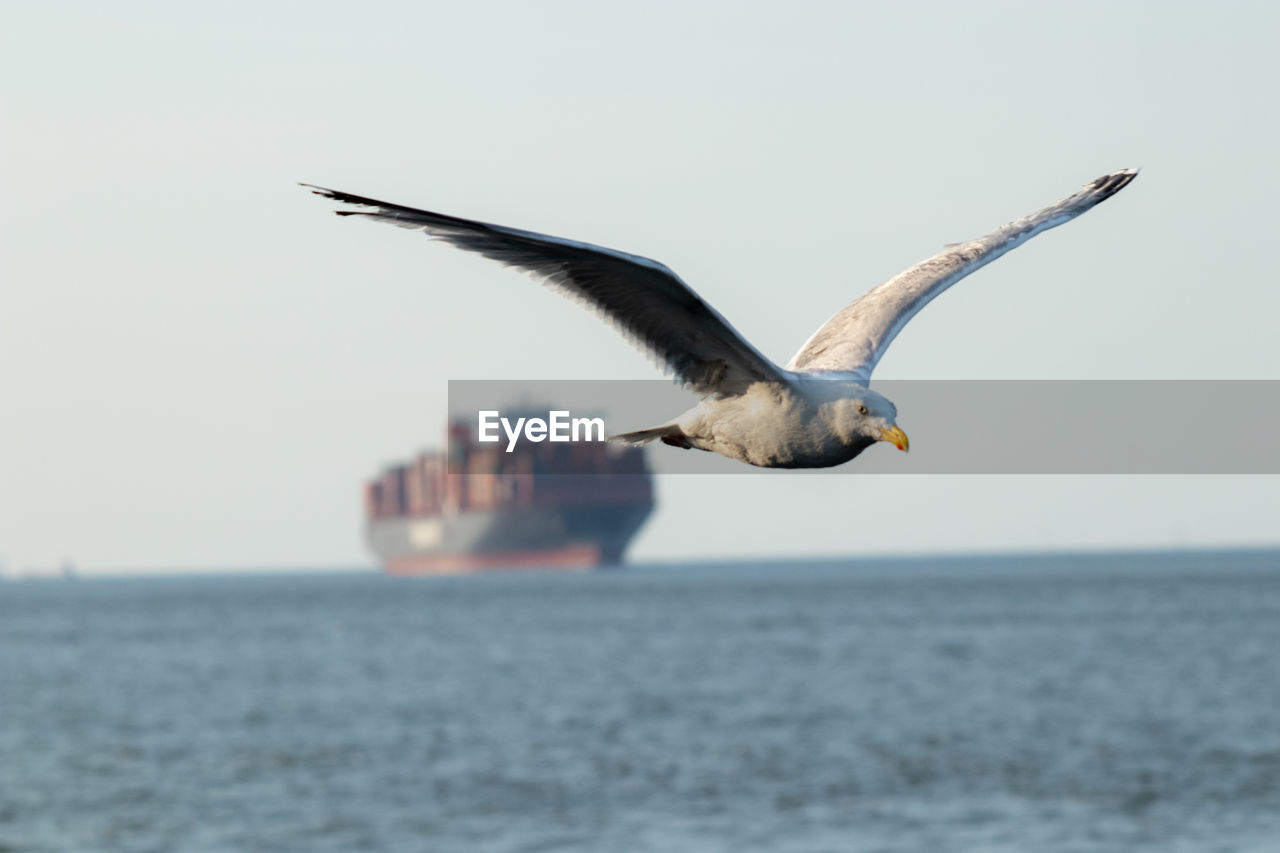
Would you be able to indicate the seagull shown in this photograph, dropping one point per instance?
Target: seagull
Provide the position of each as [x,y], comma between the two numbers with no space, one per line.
[816,412]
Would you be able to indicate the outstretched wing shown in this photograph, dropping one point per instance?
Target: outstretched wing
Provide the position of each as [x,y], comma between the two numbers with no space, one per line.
[854,340]
[645,300]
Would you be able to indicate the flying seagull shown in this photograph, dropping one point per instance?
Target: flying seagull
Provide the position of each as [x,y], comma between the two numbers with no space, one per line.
[816,412]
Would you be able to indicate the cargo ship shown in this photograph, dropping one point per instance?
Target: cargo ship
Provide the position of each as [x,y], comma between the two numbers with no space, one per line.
[478,508]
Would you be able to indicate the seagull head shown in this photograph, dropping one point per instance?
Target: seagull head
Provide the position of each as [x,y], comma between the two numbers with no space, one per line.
[865,417]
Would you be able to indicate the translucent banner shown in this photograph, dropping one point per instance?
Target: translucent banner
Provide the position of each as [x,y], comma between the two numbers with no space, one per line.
[955,427]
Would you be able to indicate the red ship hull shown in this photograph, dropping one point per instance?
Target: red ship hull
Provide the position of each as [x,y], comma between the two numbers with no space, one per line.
[573,557]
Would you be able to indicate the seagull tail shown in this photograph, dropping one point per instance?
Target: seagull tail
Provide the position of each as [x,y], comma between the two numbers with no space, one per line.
[668,434]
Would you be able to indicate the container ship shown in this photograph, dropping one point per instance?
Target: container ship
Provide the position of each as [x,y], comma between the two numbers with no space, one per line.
[478,508]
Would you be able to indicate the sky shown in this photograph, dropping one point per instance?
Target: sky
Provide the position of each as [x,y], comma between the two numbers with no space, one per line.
[199,364]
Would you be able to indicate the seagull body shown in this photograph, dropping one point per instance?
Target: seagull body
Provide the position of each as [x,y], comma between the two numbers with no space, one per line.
[816,412]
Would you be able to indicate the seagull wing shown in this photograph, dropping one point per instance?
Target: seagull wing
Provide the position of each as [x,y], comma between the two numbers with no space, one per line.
[855,339]
[644,299]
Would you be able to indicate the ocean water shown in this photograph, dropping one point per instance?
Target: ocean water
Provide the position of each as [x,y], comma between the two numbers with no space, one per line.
[1101,703]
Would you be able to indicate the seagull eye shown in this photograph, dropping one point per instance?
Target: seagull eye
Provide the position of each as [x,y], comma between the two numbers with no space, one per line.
[862,410]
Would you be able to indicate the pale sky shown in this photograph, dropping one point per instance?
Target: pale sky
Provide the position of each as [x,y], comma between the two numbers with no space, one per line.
[199,364]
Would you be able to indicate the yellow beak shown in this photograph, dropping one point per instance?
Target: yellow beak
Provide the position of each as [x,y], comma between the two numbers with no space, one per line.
[895,436]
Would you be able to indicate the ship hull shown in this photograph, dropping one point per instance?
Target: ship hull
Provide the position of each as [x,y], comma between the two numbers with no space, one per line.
[568,537]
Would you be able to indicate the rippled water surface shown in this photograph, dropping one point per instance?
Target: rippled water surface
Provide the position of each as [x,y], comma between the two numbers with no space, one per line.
[1104,703]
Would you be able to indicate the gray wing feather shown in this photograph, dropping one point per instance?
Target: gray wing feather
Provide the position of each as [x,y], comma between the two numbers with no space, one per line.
[644,299]
[854,340]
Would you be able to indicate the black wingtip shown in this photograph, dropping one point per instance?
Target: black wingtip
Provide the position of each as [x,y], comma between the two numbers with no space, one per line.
[320,191]
[325,192]
[1108,185]
[351,198]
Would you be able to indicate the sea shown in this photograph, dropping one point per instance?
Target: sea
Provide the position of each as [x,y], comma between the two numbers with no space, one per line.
[1102,702]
